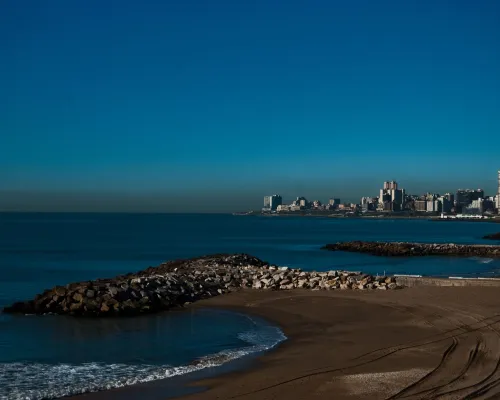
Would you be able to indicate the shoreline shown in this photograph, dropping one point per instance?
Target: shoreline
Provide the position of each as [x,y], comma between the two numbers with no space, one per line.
[358,344]
[431,217]
[187,383]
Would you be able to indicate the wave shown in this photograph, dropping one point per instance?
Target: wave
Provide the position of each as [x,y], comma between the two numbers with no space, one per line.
[37,381]
[481,260]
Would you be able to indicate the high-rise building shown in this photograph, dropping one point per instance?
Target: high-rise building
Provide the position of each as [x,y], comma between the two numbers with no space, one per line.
[498,194]
[397,196]
[475,207]
[466,196]
[420,205]
[433,206]
[391,193]
[445,203]
[450,197]
[272,202]
[334,202]
[392,185]
[276,201]
[497,202]
[267,202]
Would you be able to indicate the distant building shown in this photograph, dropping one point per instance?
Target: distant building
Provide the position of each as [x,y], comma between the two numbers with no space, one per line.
[369,203]
[368,200]
[392,185]
[276,201]
[420,205]
[368,207]
[334,202]
[316,204]
[433,206]
[431,196]
[272,202]
[476,207]
[446,205]
[465,197]
[283,207]
[267,203]
[397,196]
[384,196]
[489,204]
[388,206]
[498,194]
[391,194]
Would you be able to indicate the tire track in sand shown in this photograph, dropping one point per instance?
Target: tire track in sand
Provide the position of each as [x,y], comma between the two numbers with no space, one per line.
[474,356]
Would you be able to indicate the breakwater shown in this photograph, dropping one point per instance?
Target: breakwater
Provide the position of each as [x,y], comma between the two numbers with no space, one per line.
[407,249]
[180,282]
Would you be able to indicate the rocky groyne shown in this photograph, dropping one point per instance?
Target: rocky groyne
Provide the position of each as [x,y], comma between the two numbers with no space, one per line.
[406,249]
[492,236]
[177,283]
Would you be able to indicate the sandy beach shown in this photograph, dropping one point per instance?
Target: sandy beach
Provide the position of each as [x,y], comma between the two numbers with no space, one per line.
[425,342]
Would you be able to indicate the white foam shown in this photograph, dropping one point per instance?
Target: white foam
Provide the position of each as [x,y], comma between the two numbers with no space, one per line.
[481,260]
[36,381]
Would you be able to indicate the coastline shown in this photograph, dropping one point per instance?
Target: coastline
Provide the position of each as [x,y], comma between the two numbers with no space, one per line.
[430,218]
[359,344]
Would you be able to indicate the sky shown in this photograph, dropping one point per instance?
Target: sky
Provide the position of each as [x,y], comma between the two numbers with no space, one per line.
[183,106]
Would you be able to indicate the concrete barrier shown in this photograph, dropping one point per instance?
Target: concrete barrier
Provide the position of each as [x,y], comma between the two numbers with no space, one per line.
[409,281]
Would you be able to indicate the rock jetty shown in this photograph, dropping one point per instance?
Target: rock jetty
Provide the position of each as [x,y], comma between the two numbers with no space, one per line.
[492,236]
[406,249]
[177,283]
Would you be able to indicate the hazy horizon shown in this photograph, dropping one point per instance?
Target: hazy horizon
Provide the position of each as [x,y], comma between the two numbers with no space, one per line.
[207,107]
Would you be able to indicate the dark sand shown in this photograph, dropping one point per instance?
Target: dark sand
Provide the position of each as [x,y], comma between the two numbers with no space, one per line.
[423,342]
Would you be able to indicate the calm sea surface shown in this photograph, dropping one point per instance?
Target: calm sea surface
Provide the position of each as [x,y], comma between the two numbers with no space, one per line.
[44,357]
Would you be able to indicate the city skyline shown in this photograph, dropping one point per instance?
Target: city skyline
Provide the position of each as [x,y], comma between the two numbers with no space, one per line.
[396,184]
[155,201]
[201,106]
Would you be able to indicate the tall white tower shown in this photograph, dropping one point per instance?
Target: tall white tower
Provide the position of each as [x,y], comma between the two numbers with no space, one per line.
[498,183]
[498,193]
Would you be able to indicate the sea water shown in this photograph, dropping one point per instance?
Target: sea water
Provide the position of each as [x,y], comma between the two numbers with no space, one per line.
[50,356]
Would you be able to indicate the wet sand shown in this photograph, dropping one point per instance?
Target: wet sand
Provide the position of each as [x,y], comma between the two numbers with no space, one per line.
[422,342]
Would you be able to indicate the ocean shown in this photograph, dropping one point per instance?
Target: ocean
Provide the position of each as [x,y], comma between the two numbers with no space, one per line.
[49,356]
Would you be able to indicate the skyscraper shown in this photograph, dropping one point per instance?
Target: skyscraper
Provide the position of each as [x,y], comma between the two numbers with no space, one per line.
[498,193]
[390,193]
[272,202]
[498,183]
[466,196]
[392,185]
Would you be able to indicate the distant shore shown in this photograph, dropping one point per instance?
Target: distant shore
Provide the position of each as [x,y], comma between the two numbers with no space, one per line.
[385,216]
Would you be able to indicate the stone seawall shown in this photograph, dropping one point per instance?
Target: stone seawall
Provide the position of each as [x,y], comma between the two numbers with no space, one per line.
[410,281]
[407,249]
[177,283]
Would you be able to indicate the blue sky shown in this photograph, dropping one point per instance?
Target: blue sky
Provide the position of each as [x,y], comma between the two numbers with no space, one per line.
[210,105]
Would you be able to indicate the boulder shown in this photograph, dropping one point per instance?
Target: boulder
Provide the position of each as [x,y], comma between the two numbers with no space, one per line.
[77,297]
[104,308]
